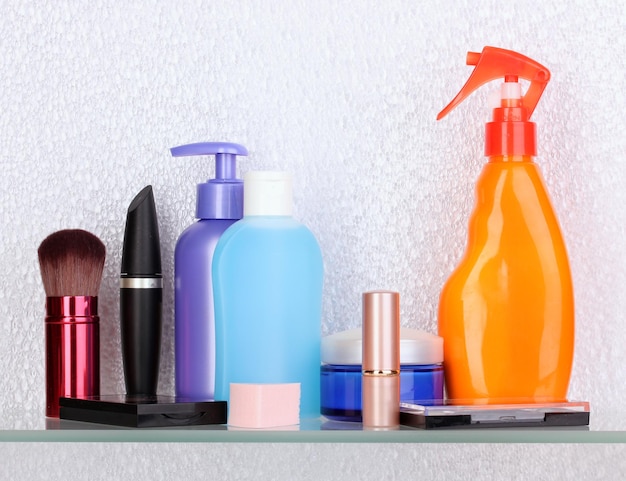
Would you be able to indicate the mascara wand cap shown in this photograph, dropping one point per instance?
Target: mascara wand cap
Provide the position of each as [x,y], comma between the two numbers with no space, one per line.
[141,255]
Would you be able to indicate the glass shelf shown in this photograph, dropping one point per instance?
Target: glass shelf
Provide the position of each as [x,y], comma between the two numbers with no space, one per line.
[34,427]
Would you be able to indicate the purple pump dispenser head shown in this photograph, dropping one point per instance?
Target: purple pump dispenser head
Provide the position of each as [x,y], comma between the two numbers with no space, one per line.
[222,197]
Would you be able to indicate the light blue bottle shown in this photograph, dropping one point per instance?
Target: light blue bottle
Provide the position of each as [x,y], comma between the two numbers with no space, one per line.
[267,284]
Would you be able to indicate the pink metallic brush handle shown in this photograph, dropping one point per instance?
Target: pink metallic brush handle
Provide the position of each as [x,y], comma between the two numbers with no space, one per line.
[72,349]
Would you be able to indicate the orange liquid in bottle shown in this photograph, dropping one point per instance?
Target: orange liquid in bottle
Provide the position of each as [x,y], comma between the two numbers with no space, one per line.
[507,312]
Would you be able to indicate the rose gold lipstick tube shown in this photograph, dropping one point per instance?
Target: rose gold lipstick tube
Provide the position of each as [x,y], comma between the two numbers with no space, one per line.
[72,349]
[381,359]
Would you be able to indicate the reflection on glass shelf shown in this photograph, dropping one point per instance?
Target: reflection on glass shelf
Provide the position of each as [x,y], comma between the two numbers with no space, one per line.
[34,427]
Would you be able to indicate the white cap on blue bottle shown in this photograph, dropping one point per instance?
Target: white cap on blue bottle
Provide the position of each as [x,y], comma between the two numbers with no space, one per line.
[267,192]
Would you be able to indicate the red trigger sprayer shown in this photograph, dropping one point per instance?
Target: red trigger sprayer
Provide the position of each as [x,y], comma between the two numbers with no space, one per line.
[507,311]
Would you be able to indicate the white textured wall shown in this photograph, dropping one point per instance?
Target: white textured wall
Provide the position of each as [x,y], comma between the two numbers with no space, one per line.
[343,94]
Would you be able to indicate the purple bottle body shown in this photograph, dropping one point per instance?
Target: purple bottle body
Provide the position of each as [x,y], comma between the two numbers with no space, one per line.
[195,318]
[219,205]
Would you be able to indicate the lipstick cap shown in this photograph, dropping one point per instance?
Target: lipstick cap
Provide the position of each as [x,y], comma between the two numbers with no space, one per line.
[141,255]
[381,331]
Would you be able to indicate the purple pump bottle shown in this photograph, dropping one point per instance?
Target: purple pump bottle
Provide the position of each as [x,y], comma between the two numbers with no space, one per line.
[219,205]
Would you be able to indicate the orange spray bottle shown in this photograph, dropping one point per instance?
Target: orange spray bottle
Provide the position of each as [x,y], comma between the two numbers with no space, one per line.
[507,311]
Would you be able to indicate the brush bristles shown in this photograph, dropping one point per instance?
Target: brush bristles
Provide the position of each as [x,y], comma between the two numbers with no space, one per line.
[71,263]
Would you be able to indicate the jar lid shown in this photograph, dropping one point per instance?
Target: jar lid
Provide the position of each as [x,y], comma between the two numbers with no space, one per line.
[416,347]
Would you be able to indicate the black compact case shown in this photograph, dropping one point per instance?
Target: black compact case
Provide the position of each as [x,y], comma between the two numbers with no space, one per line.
[143,411]
[495,415]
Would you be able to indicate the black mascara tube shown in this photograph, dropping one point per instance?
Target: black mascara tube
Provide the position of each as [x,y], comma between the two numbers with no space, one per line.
[141,297]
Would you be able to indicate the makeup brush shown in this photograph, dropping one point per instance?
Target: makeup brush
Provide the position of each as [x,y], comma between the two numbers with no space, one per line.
[71,263]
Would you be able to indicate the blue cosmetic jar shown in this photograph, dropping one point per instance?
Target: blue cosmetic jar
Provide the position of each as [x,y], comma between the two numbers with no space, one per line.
[421,372]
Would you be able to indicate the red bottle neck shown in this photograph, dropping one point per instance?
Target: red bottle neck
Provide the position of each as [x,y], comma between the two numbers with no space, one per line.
[510,132]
